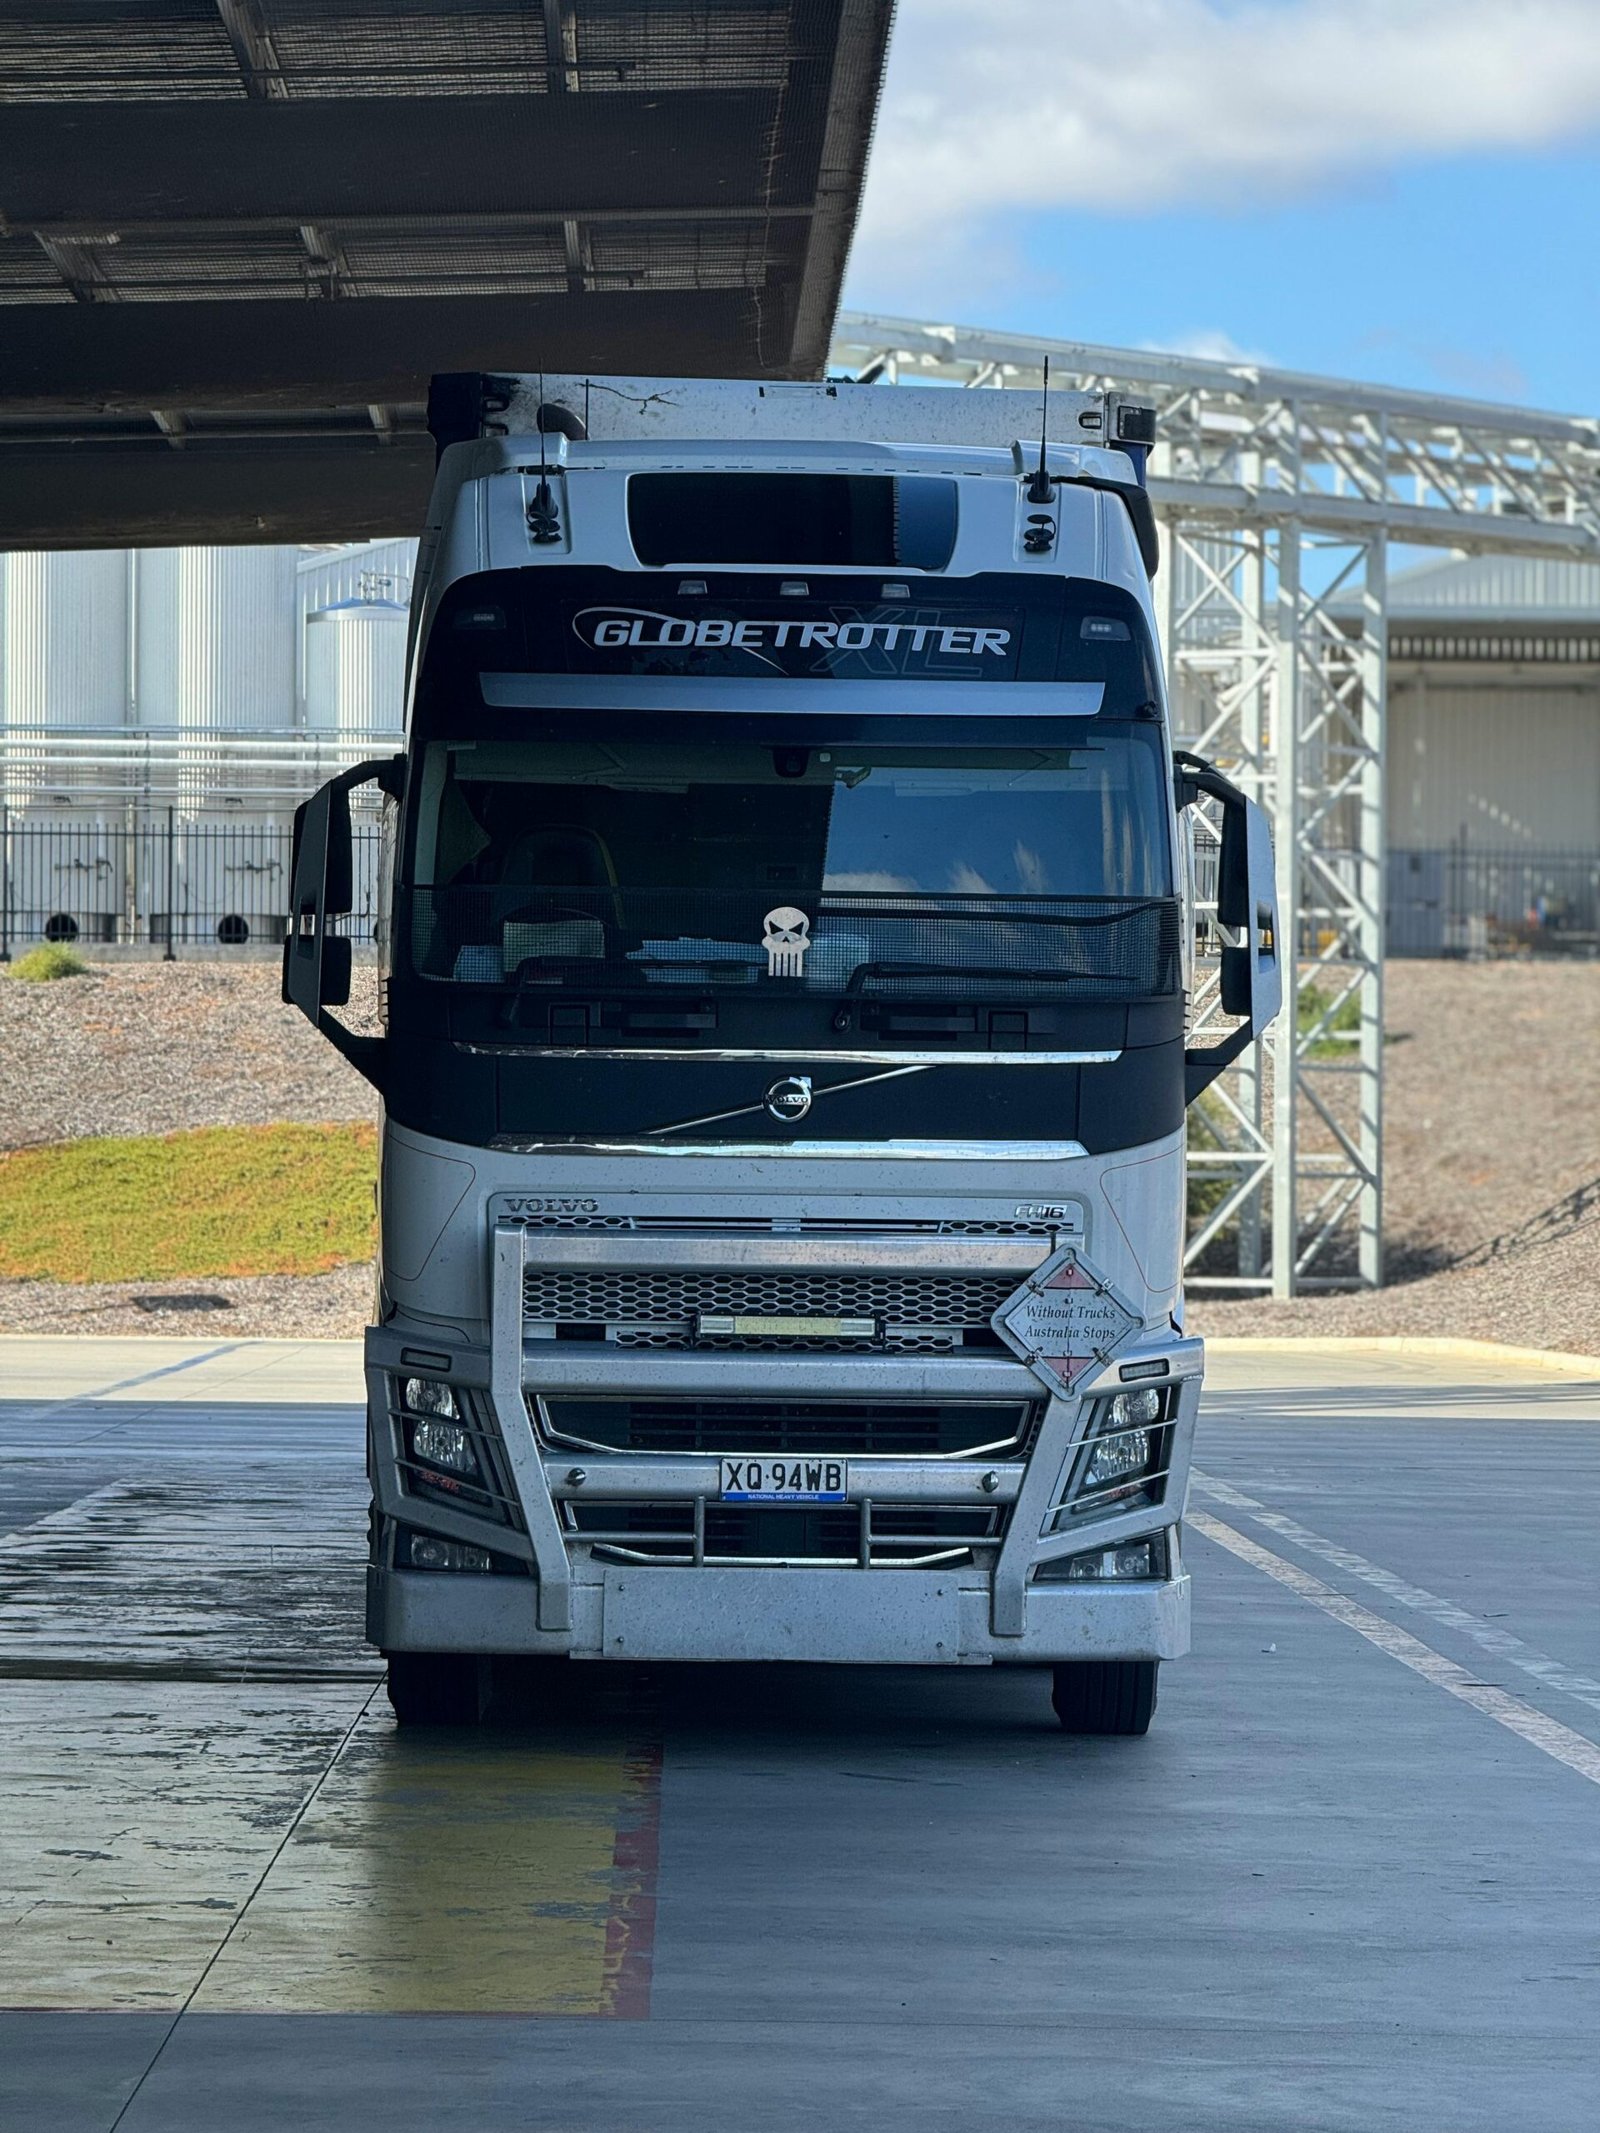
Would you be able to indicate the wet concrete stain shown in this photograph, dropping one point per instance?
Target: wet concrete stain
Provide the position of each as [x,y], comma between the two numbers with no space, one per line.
[250,1831]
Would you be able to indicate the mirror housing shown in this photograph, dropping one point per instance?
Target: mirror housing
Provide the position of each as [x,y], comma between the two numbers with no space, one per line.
[317,961]
[1247,905]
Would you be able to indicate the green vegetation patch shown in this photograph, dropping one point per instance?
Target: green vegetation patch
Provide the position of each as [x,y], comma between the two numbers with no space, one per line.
[1341,1026]
[48,961]
[225,1200]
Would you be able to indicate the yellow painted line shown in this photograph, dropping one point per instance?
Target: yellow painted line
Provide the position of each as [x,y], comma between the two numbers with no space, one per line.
[1548,1735]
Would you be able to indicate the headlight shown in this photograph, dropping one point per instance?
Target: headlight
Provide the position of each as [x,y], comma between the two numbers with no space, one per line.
[1128,1408]
[1123,1447]
[1118,1458]
[427,1396]
[443,1444]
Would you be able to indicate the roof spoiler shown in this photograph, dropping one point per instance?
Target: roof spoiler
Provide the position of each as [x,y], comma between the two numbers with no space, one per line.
[463,405]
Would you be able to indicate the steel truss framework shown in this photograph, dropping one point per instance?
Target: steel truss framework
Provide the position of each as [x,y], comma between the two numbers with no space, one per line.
[1281,495]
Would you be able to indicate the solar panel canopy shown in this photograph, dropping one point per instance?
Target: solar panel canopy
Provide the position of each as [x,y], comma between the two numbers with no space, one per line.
[238,236]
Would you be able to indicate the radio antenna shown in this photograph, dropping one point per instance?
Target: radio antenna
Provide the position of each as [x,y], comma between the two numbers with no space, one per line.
[1039,490]
[544,515]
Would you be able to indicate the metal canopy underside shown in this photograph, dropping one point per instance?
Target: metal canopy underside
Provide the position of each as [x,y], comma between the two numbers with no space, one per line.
[238,236]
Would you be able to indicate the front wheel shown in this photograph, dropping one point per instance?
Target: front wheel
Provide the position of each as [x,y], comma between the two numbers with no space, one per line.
[438,1688]
[1105,1695]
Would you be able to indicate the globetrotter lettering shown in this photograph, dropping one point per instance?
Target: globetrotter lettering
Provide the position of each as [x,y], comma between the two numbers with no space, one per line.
[614,629]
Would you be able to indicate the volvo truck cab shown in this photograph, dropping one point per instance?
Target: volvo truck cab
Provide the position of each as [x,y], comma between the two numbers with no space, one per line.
[783,1047]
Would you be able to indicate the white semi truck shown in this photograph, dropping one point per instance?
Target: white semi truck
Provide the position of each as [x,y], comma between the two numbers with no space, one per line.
[783,1059]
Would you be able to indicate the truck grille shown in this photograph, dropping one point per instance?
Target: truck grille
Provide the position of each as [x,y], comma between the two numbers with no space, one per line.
[661,1310]
[865,1428]
[907,1536]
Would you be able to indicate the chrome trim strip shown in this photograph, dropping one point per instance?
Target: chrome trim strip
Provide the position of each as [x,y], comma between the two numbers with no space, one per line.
[792,1057]
[605,1250]
[715,1118]
[815,1151]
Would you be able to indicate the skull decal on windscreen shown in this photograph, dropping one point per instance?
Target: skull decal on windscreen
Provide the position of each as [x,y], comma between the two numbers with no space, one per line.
[786,940]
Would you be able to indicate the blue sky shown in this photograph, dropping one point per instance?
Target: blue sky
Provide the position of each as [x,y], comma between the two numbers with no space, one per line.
[1418,204]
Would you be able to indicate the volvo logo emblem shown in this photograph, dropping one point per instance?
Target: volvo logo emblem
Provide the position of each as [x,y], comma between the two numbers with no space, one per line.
[790,1098]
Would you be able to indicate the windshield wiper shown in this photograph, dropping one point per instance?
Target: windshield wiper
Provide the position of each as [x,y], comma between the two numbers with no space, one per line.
[863,971]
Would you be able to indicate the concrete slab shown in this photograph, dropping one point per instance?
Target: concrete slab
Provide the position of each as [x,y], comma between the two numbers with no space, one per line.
[46,1369]
[1319,1895]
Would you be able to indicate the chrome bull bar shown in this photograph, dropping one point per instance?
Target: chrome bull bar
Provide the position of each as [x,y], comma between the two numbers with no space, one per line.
[521,1371]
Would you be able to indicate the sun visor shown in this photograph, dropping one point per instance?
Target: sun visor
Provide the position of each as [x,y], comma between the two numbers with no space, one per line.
[735,694]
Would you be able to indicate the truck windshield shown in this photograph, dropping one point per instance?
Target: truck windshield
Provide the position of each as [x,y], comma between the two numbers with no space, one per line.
[853,869]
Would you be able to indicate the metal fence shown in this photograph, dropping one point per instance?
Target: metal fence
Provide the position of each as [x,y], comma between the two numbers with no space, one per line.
[172,880]
[169,881]
[1468,901]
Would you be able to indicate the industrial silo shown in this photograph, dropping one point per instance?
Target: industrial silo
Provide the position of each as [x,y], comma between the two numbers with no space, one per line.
[355,695]
[216,665]
[356,667]
[216,649]
[63,682]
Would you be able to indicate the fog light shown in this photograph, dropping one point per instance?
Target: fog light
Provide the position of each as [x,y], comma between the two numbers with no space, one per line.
[444,1444]
[1113,1563]
[426,1396]
[1137,1561]
[426,1553]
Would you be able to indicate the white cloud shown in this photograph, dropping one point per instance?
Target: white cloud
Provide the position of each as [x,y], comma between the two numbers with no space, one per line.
[995,107]
[1210,344]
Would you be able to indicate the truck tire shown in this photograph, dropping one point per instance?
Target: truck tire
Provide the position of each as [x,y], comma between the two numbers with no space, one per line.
[438,1688]
[1105,1695]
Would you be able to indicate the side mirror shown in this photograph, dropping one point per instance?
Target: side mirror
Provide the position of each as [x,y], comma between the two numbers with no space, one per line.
[1247,906]
[316,959]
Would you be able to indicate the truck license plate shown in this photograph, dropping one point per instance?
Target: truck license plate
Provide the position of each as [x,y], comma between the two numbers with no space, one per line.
[785,1480]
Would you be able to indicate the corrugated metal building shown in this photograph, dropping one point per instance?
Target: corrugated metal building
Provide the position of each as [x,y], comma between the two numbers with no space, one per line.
[1494,756]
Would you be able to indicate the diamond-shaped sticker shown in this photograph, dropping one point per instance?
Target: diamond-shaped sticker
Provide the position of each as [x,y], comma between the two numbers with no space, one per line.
[1065,1321]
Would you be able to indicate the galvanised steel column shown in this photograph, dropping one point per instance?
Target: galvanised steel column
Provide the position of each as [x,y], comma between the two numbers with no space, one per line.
[1286,836]
[1221,663]
[1374,873]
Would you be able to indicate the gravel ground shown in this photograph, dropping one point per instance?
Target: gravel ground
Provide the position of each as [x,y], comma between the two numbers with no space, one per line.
[155,1047]
[1493,1144]
[1546,1297]
[1492,1137]
[334,1306]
